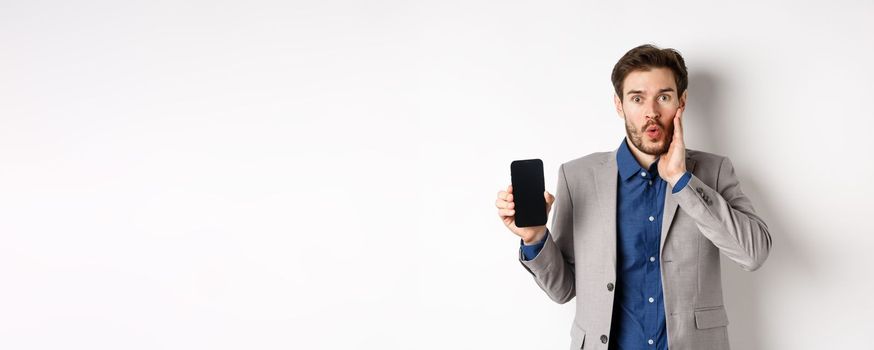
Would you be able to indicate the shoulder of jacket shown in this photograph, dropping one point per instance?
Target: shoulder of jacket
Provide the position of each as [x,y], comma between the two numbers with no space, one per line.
[705,158]
[587,161]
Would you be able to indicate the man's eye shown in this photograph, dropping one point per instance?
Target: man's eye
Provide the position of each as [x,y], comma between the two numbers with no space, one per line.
[664,97]
[635,99]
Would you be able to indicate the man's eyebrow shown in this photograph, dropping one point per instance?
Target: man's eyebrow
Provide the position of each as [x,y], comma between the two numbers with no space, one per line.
[632,92]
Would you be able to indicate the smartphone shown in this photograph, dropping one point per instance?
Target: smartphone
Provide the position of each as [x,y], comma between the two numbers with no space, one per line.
[528,187]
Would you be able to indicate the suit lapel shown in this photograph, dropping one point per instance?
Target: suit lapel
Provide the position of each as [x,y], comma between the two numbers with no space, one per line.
[605,179]
[671,205]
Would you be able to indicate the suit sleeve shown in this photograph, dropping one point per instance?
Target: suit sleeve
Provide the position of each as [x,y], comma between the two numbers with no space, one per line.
[530,251]
[553,267]
[727,218]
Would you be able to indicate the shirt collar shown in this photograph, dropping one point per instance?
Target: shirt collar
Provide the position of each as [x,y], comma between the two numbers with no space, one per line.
[628,165]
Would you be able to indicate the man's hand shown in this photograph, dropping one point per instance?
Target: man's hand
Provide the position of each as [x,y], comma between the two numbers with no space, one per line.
[672,165]
[507,213]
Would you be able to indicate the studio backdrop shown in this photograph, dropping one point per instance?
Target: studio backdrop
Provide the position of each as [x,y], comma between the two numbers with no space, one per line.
[322,174]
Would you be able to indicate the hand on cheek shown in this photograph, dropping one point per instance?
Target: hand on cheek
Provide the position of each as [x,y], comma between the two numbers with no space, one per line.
[672,164]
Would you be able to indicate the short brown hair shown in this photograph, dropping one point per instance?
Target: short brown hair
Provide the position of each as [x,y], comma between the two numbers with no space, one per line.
[646,57]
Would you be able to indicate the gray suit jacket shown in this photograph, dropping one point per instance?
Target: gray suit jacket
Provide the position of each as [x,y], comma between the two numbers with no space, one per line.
[580,258]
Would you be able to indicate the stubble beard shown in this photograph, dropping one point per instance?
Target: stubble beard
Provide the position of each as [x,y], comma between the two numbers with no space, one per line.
[636,137]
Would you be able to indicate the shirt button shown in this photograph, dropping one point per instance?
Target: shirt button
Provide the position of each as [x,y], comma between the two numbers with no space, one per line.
[651,218]
[604,338]
[650,182]
[651,299]
[610,287]
[642,173]
[652,259]
[649,341]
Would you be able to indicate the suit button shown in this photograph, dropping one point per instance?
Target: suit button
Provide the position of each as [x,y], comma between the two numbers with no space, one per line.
[603,338]
[610,286]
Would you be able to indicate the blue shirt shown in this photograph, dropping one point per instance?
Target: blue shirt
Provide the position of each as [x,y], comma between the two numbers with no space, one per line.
[638,308]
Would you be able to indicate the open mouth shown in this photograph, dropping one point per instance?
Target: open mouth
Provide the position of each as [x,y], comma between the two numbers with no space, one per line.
[653,132]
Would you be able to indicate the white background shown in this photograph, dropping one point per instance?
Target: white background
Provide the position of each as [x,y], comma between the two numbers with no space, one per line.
[322,175]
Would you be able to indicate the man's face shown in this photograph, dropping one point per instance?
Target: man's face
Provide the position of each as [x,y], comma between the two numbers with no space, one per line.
[648,106]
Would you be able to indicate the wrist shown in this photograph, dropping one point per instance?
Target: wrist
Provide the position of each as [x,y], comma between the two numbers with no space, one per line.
[676,178]
[537,237]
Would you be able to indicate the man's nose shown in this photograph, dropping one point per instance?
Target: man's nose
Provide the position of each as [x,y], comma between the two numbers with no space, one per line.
[651,112]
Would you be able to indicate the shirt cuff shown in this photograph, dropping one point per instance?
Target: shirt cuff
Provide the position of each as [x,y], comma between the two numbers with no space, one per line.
[682,182]
[530,252]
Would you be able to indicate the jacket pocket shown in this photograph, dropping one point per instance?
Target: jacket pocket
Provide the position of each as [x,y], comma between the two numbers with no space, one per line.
[711,317]
[578,337]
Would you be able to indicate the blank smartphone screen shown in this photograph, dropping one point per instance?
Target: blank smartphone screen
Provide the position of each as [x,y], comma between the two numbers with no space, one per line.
[528,187]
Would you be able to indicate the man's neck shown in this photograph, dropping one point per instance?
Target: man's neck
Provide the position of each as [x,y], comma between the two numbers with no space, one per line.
[645,160]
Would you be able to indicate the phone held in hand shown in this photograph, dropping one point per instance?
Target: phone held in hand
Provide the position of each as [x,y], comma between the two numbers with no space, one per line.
[528,188]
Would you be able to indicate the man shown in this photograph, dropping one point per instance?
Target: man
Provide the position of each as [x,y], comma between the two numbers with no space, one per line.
[637,232]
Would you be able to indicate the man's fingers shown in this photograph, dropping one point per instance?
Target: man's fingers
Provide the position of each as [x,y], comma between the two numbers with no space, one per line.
[549,198]
[506,212]
[678,123]
[503,194]
[502,204]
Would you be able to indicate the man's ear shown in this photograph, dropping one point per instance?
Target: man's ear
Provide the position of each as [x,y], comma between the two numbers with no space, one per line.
[618,102]
[683,99]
